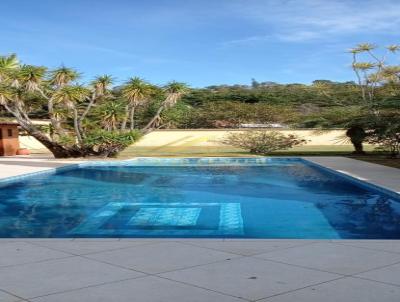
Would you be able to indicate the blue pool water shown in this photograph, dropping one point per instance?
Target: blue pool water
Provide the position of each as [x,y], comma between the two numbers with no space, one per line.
[238,198]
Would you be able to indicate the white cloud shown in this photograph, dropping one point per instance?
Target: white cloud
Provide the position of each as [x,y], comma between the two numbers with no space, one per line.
[305,20]
[298,36]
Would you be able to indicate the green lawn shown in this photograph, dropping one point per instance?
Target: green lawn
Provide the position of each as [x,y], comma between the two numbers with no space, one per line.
[162,151]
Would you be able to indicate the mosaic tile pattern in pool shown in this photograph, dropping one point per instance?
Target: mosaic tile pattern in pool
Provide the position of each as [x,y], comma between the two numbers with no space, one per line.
[160,219]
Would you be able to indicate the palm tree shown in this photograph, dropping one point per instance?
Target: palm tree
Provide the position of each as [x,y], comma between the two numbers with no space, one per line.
[31,77]
[101,85]
[22,80]
[8,64]
[70,96]
[6,95]
[100,89]
[59,114]
[393,48]
[174,91]
[135,91]
[23,88]
[357,135]
[10,98]
[63,76]
[391,74]
[58,78]
[369,76]
[110,114]
[365,47]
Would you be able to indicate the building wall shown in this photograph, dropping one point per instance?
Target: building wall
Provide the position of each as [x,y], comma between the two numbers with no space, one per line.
[9,144]
[212,137]
[30,143]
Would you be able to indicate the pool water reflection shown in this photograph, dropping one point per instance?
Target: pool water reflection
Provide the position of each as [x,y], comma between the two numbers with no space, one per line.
[279,199]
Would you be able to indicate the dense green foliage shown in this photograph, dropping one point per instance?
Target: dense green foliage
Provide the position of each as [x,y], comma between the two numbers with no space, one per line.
[383,126]
[109,142]
[323,104]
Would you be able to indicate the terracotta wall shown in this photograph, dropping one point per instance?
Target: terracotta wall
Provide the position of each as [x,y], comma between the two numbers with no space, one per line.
[9,143]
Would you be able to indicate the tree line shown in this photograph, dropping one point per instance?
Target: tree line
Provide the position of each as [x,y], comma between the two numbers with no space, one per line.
[100,118]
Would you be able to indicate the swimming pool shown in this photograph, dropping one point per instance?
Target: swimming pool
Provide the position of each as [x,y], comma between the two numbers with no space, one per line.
[206,198]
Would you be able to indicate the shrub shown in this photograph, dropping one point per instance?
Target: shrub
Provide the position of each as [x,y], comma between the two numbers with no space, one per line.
[387,138]
[110,143]
[262,142]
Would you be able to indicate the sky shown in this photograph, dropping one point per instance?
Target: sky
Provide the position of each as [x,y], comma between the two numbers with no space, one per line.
[200,42]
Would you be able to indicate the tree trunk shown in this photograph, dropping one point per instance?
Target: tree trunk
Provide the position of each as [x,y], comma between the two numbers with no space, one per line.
[82,117]
[132,118]
[76,127]
[55,122]
[125,120]
[150,125]
[357,135]
[360,83]
[358,147]
[58,150]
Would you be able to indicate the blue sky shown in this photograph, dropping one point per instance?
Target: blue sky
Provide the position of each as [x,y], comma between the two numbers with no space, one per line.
[201,42]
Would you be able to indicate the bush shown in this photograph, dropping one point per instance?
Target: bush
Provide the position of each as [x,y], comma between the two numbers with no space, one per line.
[110,143]
[387,137]
[390,143]
[262,142]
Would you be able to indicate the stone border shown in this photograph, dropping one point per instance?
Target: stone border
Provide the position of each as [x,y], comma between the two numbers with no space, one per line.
[361,183]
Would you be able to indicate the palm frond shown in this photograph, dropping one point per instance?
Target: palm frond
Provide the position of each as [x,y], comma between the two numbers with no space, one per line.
[136,90]
[31,77]
[63,76]
[101,85]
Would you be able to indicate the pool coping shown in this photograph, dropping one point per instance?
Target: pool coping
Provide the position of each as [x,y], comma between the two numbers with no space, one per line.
[356,180]
[374,176]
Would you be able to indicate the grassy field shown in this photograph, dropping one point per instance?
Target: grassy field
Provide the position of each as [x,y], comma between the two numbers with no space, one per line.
[181,151]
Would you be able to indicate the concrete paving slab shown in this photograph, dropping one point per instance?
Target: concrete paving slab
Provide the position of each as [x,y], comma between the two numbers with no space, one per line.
[332,257]
[37,279]
[5,297]
[389,274]
[14,253]
[148,289]
[392,246]
[19,165]
[343,290]
[250,278]
[162,257]
[248,247]
[78,247]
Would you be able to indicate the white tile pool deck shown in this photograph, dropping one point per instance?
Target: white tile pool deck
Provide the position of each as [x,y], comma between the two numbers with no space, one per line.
[108,270]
